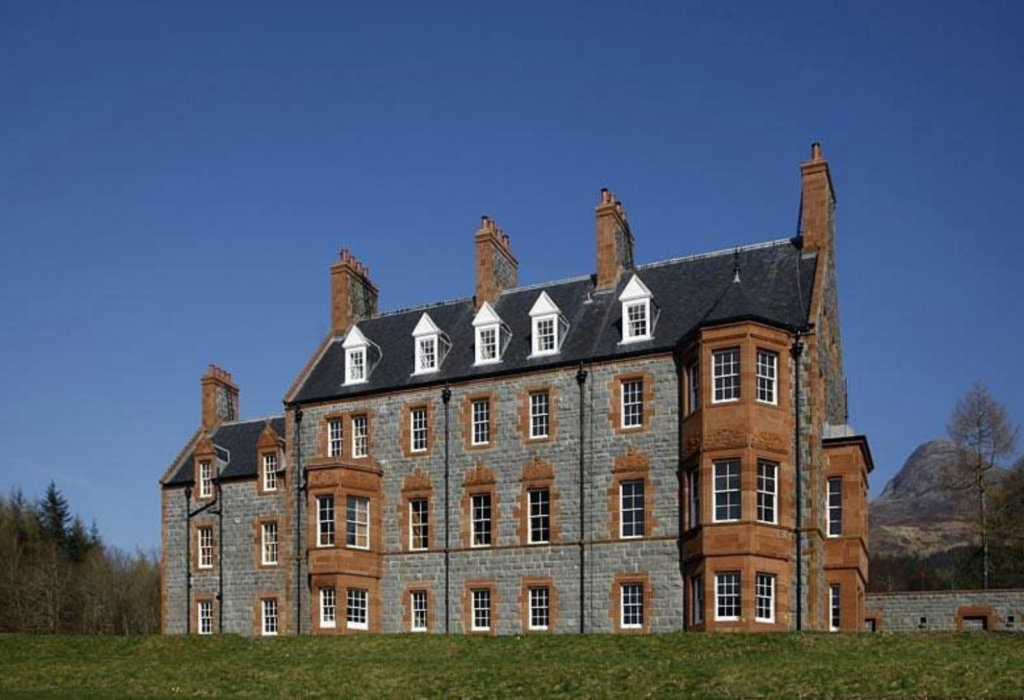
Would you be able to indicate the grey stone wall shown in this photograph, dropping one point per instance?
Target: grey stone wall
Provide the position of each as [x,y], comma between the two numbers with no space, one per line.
[937,610]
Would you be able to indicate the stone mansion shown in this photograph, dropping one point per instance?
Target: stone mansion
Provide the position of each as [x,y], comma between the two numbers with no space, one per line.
[654,447]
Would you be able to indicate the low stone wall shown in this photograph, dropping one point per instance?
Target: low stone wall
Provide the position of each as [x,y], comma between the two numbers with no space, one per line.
[904,611]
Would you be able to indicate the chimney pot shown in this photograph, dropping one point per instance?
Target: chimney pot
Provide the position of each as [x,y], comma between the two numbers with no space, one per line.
[496,267]
[614,241]
[219,397]
[353,295]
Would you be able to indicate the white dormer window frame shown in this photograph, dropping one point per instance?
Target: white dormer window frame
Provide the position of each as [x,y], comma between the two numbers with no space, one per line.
[638,316]
[431,346]
[492,336]
[548,327]
[357,357]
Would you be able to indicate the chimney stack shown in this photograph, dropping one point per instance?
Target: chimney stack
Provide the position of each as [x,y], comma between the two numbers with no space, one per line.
[220,397]
[353,296]
[614,241]
[496,267]
[817,201]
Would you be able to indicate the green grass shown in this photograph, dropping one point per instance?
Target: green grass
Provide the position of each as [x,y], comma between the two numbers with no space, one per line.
[863,665]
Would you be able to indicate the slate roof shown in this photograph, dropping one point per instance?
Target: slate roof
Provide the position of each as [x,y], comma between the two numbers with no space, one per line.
[236,447]
[688,293]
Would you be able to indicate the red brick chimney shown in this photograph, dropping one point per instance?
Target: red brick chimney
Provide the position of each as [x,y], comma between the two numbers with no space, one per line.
[353,296]
[614,241]
[220,397]
[496,268]
[817,201]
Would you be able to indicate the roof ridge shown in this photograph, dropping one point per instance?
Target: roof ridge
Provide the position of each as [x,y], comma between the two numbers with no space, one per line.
[249,420]
[717,253]
[421,307]
[541,285]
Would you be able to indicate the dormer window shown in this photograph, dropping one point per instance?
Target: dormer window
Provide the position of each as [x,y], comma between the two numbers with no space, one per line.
[431,345]
[492,336]
[359,355]
[549,327]
[637,317]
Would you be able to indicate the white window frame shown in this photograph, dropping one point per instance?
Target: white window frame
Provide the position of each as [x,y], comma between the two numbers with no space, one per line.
[767,377]
[476,530]
[486,322]
[325,533]
[430,346]
[480,611]
[631,605]
[539,515]
[357,605]
[205,552]
[360,436]
[270,472]
[481,420]
[636,297]
[419,609]
[640,524]
[630,397]
[269,543]
[693,379]
[727,464]
[355,366]
[426,354]
[835,609]
[204,614]
[329,607]
[335,437]
[767,491]
[693,485]
[728,375]
[419,432]
[835,511]
[205,479]
[423,523]
[270,616]
[539,608]
[764,595]
[357,521]
[697,584]
[547,324]
[728,584]
[540,415]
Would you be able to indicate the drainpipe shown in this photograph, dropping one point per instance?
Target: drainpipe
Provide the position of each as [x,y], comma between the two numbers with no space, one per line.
[581,380]
[797,352]
[220,556]
[446,397]
[188,560]
[300,486]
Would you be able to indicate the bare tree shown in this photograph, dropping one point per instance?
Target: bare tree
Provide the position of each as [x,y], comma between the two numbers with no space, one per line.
[981,429]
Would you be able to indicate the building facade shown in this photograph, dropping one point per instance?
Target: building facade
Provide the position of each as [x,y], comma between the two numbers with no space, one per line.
[650,448]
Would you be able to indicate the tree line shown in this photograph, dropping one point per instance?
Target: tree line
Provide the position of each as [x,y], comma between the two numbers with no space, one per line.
[58,576]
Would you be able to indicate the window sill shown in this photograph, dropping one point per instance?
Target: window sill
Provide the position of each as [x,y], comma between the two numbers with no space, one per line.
[637,339]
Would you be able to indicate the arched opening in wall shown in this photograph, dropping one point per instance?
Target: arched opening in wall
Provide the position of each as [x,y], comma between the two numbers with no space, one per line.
[975,618]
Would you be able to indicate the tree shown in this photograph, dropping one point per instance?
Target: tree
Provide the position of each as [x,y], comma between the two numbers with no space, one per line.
[1007,526]
[54,514]
[982,431]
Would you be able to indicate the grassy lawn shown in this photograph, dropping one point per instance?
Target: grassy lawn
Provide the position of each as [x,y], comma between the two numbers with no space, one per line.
[661,665]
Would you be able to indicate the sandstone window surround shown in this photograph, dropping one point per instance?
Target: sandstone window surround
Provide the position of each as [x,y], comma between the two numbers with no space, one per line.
[270,471]
[631,399]
[492,336]
[431,346]
[540,414]
[418,429]
[538,604]
[631,497]
[269,617]
[481,610]
[413,512]
[204,613]
[419,606]
[205,479]
[540,607]
[637,312]
[631,598]
[549,327]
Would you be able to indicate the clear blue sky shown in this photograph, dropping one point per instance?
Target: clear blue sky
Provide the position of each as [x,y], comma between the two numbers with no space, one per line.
[175,179]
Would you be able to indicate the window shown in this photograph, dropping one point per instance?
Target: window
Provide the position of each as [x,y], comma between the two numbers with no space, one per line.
[632,608]
[481,421]
[355,363]
[693,478]
[419,524]
[727,596]
[205,479]
[767,374]
[835,616]
[727,491]
[205,608]
[727,375]
[418,429]
[631,494]
[270,472]
[481,609]
[693,374]
[426,354]
[835,506]
[767,490]
[636,311]
[764,598]
[419,611]
[356,615]
[360,436]
[545,336]
[481,520]
[491,335]
[698,600]
[357,517]
[335,437]
[539,414]
[632,403]
[540,516]
[540,608]
[205,547]
[328,607]
[549,326]
[269,532]
[488,344]
[325,521]
[269,609]
[431,345]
